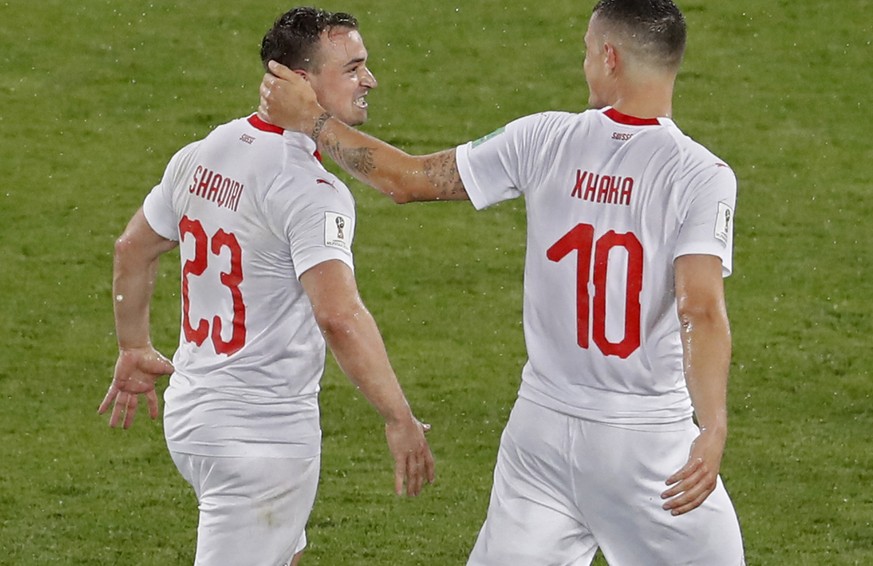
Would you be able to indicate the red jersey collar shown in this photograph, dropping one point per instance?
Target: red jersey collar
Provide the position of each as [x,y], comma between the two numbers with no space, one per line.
[259,124]
[617,116]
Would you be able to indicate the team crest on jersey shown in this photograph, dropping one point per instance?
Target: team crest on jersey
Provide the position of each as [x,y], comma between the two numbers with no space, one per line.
[484,139]
[724,223]
[338,231]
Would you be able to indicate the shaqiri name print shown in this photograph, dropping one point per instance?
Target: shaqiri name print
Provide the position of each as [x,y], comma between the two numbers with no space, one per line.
[212,186]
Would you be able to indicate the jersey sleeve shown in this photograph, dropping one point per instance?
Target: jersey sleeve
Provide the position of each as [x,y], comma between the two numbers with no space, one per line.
[502,165]
[708,224]
[317,216]
[158,204]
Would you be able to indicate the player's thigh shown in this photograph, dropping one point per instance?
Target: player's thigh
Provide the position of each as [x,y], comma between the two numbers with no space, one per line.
[621,496]
[532,517]
[252,510]
[707,536]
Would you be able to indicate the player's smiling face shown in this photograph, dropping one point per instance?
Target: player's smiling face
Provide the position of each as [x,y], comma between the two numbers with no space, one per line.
[342,80]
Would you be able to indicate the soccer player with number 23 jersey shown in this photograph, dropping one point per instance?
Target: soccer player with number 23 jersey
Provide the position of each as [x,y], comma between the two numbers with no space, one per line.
[265,239]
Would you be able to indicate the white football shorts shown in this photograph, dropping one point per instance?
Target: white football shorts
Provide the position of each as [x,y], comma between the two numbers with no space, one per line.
[252,510]
[564,487]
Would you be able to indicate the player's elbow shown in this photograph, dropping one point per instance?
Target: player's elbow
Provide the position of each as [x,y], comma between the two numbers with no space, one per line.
[692,314]
[400,190]
[125,246]
[337,324]
[708,316]
[400,197]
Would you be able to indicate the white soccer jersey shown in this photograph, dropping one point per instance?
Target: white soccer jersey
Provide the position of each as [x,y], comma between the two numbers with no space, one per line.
[252,209]
[611,201]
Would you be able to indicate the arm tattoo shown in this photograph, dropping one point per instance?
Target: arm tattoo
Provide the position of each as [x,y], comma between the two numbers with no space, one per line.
[441,170]
[357,160]
[319,124]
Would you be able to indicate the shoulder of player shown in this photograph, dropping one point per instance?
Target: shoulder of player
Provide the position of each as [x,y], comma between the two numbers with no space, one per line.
[301,180]
[240,141]
[552,118]
[252,135]
[290,159]
[587,121]
[186,152]
[299,193]
[698,157]
[692,156]
[540,127]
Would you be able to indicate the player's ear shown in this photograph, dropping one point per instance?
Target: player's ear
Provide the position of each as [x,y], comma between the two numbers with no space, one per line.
[612,57]
[279,70]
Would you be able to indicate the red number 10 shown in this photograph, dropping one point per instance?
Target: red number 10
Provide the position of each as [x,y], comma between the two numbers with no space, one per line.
[581,240]
[195,267]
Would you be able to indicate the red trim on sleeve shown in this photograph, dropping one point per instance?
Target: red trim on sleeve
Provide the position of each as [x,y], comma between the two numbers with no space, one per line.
[617,116]
[259,124]
[317,154]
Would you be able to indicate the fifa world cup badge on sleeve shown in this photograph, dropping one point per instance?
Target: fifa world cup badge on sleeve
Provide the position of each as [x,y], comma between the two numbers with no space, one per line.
[724,223]
[338,230]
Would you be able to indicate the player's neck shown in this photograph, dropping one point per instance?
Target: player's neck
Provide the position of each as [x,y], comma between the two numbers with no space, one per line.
[649,99]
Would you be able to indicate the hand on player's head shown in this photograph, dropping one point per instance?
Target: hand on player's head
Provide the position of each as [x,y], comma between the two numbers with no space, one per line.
[287,100]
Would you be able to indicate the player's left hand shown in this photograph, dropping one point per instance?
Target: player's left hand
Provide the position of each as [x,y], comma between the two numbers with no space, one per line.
[136,372]
[690,486]
[413,460]
[288,100]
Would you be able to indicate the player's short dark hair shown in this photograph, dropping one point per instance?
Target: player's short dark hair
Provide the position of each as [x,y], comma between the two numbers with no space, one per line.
[657,26]
[293,39]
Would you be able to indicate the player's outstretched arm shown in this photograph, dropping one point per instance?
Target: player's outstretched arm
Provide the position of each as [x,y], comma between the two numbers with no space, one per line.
[706,344]
[354,339]
[288,101]
[139,365]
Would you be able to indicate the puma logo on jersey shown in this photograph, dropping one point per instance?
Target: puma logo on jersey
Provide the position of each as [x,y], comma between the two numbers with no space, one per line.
[324,182]
[603,189]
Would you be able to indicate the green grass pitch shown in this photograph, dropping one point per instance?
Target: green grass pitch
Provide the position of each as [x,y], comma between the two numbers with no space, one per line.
[96,95]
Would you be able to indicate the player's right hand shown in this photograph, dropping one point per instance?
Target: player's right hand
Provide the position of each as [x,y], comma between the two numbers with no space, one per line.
[136,371]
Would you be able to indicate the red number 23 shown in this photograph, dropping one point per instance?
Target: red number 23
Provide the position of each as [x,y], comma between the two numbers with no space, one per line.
[195,267]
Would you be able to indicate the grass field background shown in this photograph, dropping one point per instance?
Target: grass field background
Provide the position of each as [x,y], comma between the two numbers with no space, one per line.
[96,95]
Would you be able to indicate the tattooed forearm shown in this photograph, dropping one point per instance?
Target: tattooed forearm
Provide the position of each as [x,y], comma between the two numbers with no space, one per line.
[356,160]
[441,170]
[402,177]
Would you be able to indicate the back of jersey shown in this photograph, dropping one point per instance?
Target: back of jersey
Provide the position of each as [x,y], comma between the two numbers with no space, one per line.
[243,205]
[611,202]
